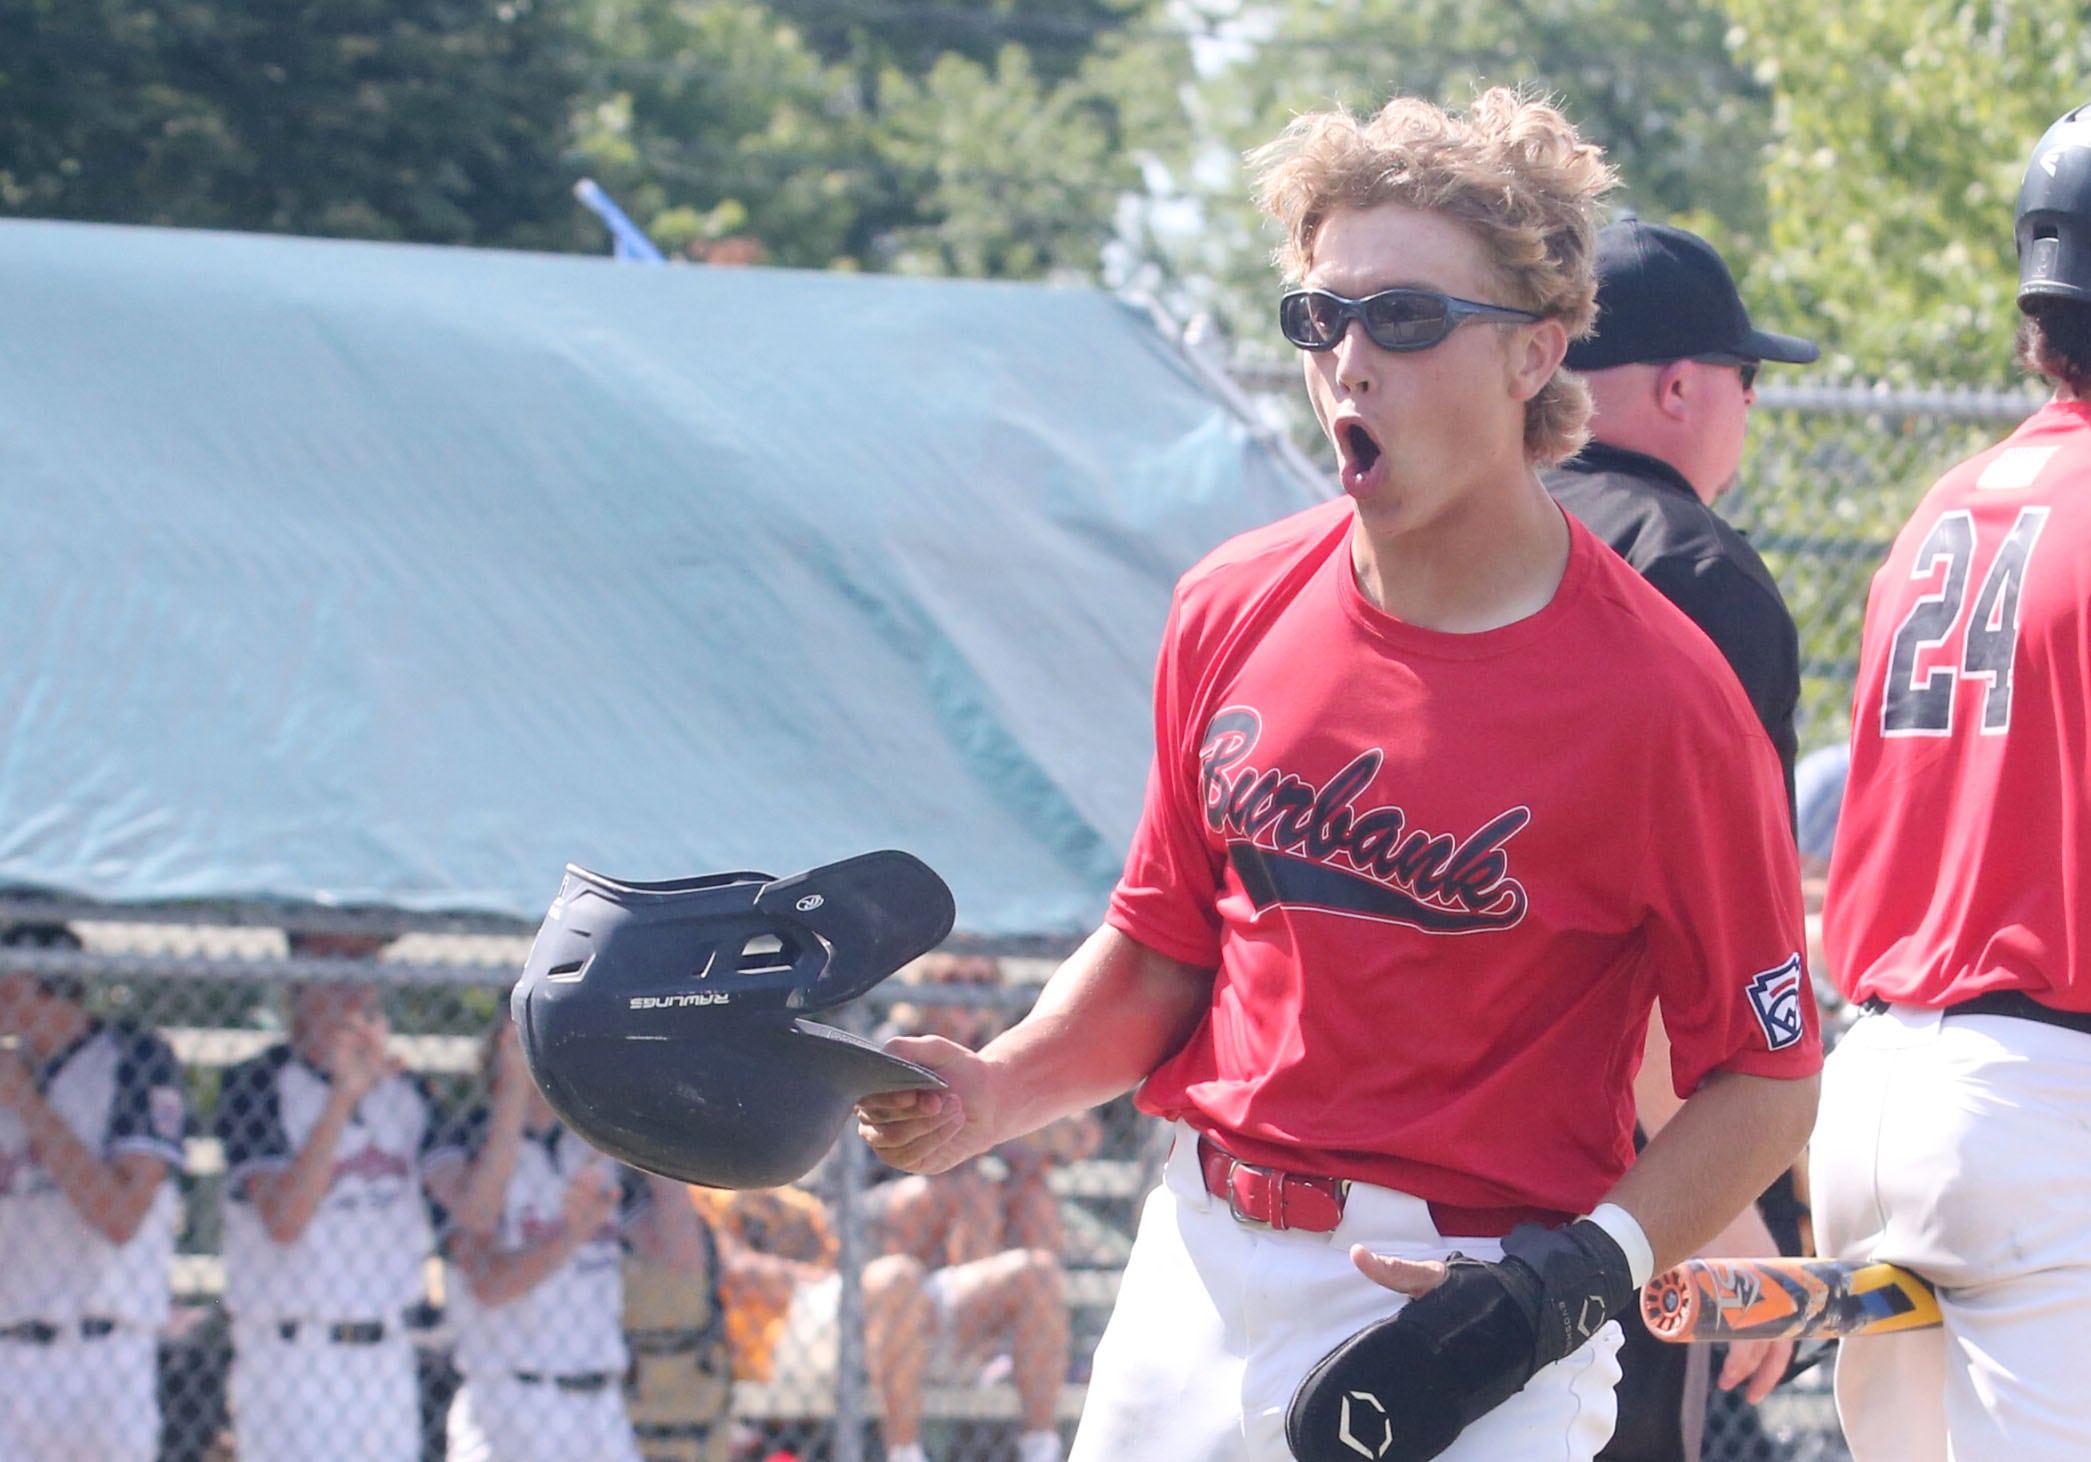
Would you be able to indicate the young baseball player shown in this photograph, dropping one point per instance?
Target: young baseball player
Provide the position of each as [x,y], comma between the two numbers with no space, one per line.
[1445,797]
[1955,1135]
[92,1120]
[535,1224]
[326,1231]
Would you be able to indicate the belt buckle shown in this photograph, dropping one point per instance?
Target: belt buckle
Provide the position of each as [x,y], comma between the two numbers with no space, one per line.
[1277,1199]
[1269,1175]
[1335,1190]
[1234,1203]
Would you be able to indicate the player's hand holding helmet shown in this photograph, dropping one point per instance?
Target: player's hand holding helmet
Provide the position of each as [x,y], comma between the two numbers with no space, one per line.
[1404,1388]
[931,1131]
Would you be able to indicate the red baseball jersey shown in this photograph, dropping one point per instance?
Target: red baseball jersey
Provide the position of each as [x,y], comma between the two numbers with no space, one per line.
[1441,877]
[1963,855]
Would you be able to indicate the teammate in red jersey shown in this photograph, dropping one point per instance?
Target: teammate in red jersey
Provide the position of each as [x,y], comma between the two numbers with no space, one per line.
[1955,1135]
[1445,796]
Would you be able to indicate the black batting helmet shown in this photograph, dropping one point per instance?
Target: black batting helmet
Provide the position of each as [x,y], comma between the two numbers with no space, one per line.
[2054,214]
[662,1020]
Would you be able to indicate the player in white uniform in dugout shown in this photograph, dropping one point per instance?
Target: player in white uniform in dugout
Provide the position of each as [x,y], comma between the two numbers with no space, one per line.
[534,1221]
[326,1230]
[92,1120]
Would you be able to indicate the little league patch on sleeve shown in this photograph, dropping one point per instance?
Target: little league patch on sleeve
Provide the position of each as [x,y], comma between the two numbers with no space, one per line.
[1775,997]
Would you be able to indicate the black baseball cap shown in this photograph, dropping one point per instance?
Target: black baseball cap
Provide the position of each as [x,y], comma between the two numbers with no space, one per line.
[1665,294]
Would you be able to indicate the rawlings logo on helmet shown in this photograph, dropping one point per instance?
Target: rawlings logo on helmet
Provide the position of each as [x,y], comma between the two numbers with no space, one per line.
[675,1002]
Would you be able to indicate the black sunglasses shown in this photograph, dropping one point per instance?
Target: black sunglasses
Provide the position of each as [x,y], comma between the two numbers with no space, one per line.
[1746,368]
[1394,319]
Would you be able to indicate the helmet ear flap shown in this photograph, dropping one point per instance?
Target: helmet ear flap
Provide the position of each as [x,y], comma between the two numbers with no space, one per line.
[2052,227]
[659,1019]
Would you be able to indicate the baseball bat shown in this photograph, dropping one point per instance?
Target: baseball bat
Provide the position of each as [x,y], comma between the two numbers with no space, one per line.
[1784,1299]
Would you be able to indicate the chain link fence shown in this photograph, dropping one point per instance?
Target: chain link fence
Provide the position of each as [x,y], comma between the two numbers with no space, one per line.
[450,1279]
[455,1278]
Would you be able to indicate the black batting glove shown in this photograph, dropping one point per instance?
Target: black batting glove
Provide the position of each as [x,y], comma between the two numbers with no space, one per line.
[1584,1280]
[1404,1388]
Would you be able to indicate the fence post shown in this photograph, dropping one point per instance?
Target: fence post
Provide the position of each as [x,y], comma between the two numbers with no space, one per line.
[850,1385]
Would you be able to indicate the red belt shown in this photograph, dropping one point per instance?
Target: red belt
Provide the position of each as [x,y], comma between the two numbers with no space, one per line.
[1269,1197]
[1282,1200]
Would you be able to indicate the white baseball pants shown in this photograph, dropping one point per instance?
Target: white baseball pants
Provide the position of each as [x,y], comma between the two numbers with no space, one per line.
[1960,1147]
[78,1398]
[497,1418]
[1218,1321]
[312,1399]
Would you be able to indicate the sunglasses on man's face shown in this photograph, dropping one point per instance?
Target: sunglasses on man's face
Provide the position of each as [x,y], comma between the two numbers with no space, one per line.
[1394,319]
[1746,368]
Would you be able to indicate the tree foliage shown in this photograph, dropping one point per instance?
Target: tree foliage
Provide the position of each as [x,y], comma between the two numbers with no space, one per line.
[1002,165]
[716,119]
[1901,131]
[433,120]
[914,37]
[1651,80]
[849,141]
[978,138]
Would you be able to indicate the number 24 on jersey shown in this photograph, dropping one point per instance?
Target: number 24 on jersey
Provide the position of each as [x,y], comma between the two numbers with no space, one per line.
[1986,637]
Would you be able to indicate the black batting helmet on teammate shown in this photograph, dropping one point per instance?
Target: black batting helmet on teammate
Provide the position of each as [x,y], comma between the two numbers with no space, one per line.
[2054,214]
[662,1020]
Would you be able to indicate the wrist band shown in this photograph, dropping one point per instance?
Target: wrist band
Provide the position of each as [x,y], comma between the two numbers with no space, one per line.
[1626,1232]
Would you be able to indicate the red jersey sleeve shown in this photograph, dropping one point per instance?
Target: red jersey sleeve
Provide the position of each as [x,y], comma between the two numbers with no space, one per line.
[1725,934]
[1166,898]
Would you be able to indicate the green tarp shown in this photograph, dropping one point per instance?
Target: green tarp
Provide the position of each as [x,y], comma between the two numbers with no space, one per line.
[394,575]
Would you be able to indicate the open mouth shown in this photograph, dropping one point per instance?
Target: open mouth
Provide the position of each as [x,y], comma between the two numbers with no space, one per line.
[1364,447]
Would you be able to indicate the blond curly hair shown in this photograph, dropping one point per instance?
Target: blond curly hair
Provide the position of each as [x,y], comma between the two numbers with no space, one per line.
[1512,169]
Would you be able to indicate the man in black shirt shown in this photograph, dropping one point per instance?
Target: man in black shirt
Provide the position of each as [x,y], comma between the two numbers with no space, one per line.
[1672,371]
